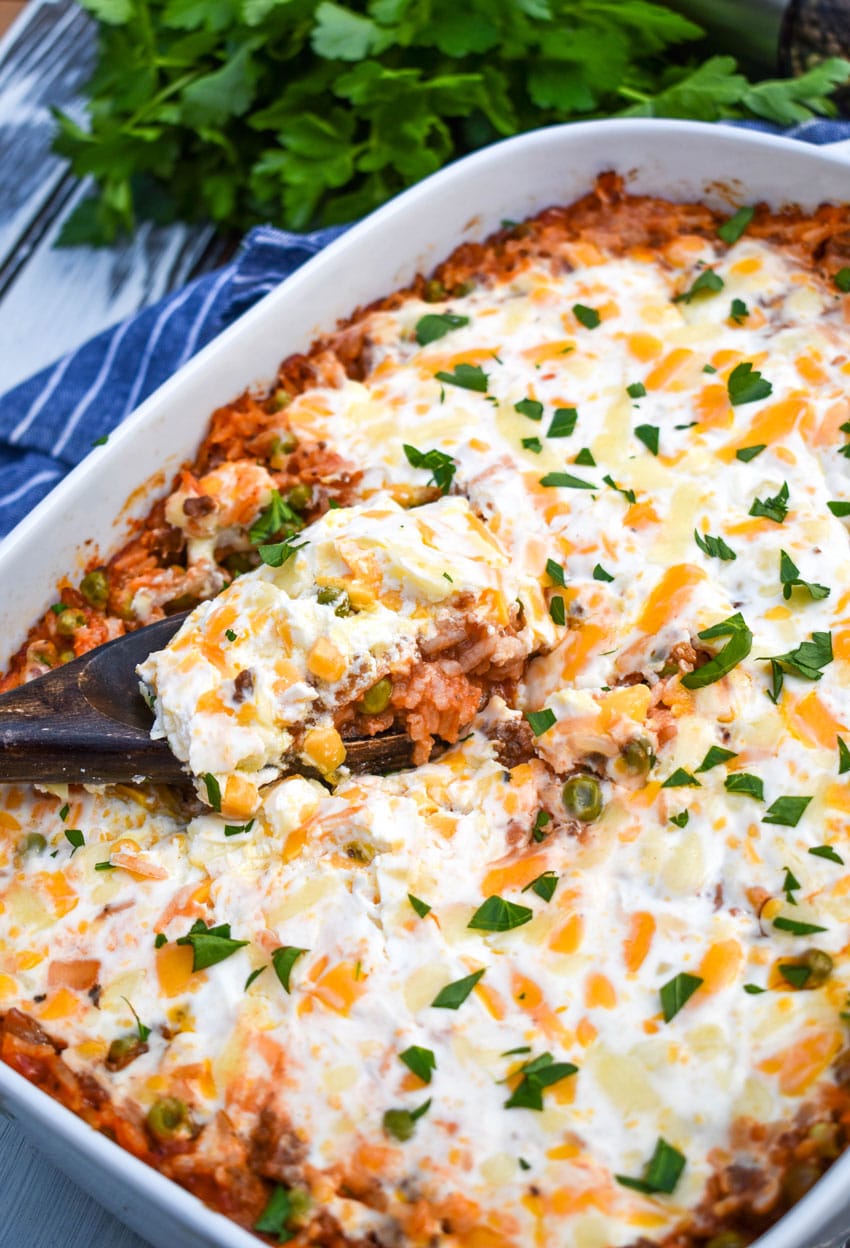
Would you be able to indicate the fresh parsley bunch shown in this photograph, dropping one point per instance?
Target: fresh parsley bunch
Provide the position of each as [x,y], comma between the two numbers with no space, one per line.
[303,112]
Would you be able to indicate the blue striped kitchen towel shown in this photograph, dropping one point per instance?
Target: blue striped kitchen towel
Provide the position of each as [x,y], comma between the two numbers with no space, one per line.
[49,423]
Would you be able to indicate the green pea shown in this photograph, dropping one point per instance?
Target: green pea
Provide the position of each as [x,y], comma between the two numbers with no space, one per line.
[124,1050]
[357,851]
[727,1239]
[65,656]
[582,796]
[169,1119]
[45,652]
[434,291]
[798,1179]
[820,964]
[281,448]
[300,496]
[34,843]
[300,1203]
[95,588]
[70,621]
[824,1136]
[399,1123]
[637,755]
[376,699]
[278,400]
[330,594]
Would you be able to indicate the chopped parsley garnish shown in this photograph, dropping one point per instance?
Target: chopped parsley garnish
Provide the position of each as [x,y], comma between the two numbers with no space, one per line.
[530,408]
[563,423]
[842,280]
[661,1174]
[533,444]
[420,1061]
[276,554]
[272,519]
[453,995]
[795,928]
[105,866]
[789,575]
[283,960]
[436,325]
[843,756]
[213,789]
[210,944]
[538,1074]
[283,1206]
[747,453]
[557,611]
[498,915]
[64,812]
[715,756]
[401,1123]
[708,282]
[588,317]
[736,649]
[739,311]
[709,368]
[795,973]
[677,992]
[753,989]
[254,975]
[229,634]
[680,820]
[160,940]
[567,482]
[236,829]
[585,458]
[75,838]
[714,547]
[544,886]
[648,435]
[599,574]
[745,783]
[467,377]
[790,885]
[826,851]
[421,907]
[746,385]
[556,573]
[786,811]
[680,779]
[637,390]
[628,495]
[732,229]
[775,508]
[441,466]
[541,819]
[807,661]
[839,508]
[541,721]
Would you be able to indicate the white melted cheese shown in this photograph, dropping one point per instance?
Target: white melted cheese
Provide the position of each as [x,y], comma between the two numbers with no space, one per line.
[639,898]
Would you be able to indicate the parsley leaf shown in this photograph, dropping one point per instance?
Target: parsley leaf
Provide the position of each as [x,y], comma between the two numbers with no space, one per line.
[283,960]
[563,422]
[533,444]
[420,1061]
[401,1123]
[843,756]
[213,789]
[599,573]
[795,928]
[541,819]
[648,435]
[715,547]
[588,317]
[789,575]
[839,508]
[210,944]
[272,519]
[714,757]
[790,885]
[275,1218]
[530,408]
[739,311]
[745,783]
[544,886]
[453,995]
[733,227]
[538,1074]
[746,453]
[541,721]
[276,554]
[786,811]
[421,907]
[436,325]
[441,466]
[75,838]
[807,661]
[680,779]
[775,509]
[681,819]
[556,573]
[677,992]
[796,974]
[236,829]
[736,649]
[662,1174]
[842,280]
[746,385]
[497,915]
[557,611]
[585,458]
[826,851]
[637,390]
[708,282]
[628,495]
[566,481]
[466,377]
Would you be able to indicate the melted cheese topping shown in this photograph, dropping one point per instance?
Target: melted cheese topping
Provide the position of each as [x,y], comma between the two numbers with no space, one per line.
[690,869]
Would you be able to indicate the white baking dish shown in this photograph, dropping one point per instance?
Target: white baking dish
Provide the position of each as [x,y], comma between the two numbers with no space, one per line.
[681,160]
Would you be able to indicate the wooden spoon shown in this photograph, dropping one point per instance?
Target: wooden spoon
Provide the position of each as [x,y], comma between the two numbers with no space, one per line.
[87,722]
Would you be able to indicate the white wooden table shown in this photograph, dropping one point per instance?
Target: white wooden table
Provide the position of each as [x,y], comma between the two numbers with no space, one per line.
[50,301]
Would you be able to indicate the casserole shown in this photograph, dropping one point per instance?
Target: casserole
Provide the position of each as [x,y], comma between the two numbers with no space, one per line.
[664,168]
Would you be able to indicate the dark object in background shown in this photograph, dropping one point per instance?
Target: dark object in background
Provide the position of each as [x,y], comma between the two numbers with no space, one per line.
[784,36]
